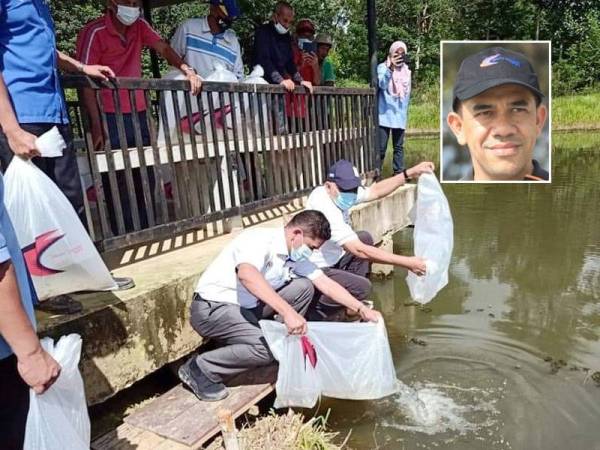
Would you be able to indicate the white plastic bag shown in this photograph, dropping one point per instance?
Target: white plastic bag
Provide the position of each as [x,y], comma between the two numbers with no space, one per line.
[353,361]
[256,77]
[59,253]
[433,239]
[58,418]
[222,114]
[51,144]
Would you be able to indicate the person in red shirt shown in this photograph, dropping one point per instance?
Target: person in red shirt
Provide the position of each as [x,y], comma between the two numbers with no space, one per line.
[305,59]
[116,40]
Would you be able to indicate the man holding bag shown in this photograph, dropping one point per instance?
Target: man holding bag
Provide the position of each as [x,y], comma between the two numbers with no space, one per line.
[23,361]
[346,257]
[262,273]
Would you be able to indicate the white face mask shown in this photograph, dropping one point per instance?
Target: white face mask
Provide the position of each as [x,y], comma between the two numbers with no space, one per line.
[280,28]
[127,15]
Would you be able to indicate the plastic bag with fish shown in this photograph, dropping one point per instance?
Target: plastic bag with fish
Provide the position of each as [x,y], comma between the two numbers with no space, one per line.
[433,239]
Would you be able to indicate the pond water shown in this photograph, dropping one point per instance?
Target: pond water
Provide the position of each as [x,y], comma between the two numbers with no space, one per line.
[504,356]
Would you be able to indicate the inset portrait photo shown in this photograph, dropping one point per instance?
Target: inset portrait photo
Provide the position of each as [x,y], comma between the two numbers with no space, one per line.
[495,111]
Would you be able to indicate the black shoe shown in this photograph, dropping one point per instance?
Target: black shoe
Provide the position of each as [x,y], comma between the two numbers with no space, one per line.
[205,389]
[61,304]
[123,283]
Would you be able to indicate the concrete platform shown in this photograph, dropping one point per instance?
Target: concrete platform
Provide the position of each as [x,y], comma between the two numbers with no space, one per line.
[128,335]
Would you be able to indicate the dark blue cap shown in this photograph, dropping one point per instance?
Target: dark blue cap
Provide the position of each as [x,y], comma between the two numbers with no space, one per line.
[231,6]
[493,67]
[342,173]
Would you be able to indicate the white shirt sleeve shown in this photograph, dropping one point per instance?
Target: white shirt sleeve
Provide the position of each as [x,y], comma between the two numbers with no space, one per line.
[363,194]
[250,250]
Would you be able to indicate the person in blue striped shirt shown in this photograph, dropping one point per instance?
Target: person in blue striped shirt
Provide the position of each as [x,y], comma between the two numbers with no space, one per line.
[203,41]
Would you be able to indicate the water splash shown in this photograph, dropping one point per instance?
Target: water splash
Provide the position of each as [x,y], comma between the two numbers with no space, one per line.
[430,409]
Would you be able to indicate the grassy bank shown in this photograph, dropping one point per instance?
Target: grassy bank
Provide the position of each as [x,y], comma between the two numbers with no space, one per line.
[569,111]
[576,111]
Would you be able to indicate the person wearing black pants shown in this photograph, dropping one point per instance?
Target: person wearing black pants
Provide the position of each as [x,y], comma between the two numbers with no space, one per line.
[397,146]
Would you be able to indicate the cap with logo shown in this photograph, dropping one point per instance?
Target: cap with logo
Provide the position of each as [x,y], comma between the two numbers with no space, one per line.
[230,7]
[344,175]
[493,67]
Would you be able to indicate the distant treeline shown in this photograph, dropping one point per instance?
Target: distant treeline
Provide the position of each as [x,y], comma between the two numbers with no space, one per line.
[573,26]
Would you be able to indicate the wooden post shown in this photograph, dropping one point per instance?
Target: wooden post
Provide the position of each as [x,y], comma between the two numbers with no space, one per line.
[227,424]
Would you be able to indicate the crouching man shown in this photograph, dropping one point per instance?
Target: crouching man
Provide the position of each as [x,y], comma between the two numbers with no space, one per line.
[263,273]
[347,256]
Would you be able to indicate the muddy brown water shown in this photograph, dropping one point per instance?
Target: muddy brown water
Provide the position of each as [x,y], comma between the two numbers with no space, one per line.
[508,350]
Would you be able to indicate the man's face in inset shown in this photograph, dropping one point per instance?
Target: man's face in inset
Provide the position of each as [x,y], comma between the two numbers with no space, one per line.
[500,127]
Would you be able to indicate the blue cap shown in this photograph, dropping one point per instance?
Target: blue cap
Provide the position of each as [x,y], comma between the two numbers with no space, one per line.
[343,174]
[231,6]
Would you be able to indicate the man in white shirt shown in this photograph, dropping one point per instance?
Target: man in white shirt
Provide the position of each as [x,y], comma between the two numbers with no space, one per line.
[205,40]
[347,256]
[263,272]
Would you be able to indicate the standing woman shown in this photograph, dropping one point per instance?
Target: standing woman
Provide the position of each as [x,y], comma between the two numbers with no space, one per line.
[394,94]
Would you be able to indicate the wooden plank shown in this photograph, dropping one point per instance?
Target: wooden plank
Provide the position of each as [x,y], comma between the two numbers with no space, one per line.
[179,416]
[128,437]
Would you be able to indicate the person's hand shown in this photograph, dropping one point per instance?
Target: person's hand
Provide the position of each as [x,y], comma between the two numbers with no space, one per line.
[295,323]
[39,370]
[97,138]
[288,84]
[308,85]
[22,143]
[369,315]
[311,59]
[96,71]
[417,266]
[195,82]
[421,168]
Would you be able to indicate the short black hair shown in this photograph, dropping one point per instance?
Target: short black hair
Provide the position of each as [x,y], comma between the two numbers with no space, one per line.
[457,104]
[313,223]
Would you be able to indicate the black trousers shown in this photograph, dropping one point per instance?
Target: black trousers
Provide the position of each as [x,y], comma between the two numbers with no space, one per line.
[352,273]
[14,405]
[62,170]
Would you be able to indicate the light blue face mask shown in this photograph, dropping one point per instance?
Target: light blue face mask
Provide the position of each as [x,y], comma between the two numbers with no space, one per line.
[345,200]
[301,253]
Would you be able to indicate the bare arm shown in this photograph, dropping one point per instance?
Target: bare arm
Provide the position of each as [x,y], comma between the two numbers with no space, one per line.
[256,284]
[68,64]
[377,255]
[385,187]
[167,52]
[37,368]
[20,141]
[336,292]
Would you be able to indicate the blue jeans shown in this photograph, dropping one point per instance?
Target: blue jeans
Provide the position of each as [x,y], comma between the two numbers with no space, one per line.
[398,145]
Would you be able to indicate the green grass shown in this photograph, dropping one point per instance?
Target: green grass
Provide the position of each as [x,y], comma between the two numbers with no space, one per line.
[576,110]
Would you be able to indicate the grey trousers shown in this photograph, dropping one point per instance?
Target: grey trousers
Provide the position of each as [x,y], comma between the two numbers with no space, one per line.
[352,273]
[242,344]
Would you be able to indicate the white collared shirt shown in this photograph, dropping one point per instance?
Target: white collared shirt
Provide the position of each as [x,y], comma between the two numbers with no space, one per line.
[263,248]
[339,221]
[194,42]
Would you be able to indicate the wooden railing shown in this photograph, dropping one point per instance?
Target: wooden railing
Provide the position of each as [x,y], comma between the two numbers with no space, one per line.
[231,150]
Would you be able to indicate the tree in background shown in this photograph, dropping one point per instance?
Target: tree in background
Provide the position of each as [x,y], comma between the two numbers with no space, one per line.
[572,25]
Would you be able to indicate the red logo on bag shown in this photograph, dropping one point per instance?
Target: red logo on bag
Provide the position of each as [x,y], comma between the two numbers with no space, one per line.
[308,350]
[33,254]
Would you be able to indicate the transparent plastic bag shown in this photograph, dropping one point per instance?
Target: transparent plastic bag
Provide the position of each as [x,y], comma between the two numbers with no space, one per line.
[253,104]
[58,418]
[433,239]
[352,361]
[58,250]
